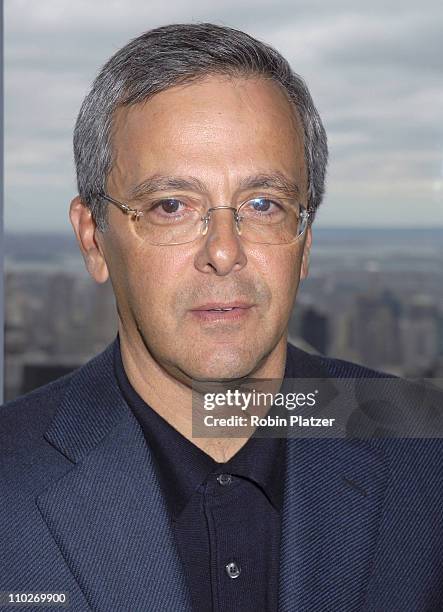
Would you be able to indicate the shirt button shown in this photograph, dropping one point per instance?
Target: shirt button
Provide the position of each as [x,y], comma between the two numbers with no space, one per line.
[232,569]
[224,479]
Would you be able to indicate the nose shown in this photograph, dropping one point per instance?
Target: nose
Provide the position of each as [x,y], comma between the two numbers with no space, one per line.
[221,250]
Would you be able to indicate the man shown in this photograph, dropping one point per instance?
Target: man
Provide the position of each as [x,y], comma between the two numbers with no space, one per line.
[201,162]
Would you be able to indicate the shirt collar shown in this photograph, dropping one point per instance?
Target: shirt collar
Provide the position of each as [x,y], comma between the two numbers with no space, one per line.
[182,467]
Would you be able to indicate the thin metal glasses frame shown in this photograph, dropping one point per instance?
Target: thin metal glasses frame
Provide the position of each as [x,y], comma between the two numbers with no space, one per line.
[136,214]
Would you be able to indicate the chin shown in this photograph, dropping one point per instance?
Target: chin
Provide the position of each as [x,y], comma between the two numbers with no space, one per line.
[220,375]
[222,365]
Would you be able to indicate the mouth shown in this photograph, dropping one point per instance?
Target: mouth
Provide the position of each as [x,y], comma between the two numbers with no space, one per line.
[231,311]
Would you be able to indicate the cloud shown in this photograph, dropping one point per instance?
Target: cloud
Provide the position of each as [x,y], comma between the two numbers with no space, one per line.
[374,70]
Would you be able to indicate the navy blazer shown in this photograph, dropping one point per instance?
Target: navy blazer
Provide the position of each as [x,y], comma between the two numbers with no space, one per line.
[81,510]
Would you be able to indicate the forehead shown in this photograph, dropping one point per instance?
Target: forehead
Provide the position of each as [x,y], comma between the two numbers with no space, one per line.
[218,127]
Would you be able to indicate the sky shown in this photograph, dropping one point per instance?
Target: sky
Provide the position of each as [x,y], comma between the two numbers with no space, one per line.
[373,68]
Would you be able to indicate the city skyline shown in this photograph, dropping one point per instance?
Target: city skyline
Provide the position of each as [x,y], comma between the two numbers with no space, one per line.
[374,298]
[374,72]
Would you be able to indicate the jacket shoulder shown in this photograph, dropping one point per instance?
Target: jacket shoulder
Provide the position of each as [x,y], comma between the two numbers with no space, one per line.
[330,367]
[411,400]
[27,417]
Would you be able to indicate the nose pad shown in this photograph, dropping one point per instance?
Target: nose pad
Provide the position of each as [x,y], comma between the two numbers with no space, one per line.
[205,225]
[237,221]
[208,217]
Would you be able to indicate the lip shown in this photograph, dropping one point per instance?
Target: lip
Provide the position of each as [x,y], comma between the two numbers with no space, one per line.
[206,313]
[213,305]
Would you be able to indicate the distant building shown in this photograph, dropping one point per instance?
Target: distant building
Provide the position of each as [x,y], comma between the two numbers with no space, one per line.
[370,331]
[54,322]
[38,374]
[311,326]
[421,327]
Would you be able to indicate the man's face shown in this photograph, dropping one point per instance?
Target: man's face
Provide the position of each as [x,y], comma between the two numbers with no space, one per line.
[221,132]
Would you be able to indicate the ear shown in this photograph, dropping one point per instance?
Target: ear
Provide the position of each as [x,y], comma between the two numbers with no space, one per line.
[306,253]
[87,234]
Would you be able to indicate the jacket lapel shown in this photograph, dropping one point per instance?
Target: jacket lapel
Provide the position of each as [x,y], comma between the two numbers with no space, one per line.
[333,499]
[107,514]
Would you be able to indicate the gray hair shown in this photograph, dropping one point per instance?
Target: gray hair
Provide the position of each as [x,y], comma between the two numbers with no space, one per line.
[177,54]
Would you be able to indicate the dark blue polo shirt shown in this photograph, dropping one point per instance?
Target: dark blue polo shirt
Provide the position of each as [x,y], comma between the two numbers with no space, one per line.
[225,516]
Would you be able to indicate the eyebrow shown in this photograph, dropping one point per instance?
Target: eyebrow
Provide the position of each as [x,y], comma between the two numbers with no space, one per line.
[274,180]
[159,182]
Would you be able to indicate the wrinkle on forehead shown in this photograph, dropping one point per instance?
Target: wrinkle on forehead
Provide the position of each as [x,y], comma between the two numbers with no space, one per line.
[209,114]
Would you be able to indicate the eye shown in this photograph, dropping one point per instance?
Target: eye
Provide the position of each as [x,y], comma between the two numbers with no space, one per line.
[170,210]
[264,206]
[168,206]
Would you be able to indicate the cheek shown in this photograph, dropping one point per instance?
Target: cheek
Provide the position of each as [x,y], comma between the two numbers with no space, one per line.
[155,278]
[280,267]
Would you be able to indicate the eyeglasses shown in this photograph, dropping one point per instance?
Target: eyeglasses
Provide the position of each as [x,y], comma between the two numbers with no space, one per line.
[179,220]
